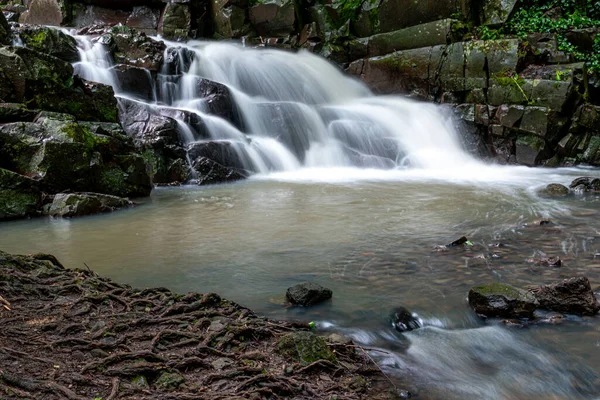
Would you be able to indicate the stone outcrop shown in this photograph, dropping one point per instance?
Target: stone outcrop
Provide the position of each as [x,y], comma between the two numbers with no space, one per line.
[571,296]
[503,301]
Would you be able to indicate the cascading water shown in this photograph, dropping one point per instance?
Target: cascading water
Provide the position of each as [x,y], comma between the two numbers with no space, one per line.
[296,110]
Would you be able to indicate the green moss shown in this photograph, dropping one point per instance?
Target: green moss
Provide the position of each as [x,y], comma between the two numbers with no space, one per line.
[169,380]
[304,347]
[498,288]
[109,112]
[113,181]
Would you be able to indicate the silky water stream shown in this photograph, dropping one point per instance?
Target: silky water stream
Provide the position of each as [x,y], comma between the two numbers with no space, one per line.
[353,192]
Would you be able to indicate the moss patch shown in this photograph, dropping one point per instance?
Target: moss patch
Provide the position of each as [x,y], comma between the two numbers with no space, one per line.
[304,347]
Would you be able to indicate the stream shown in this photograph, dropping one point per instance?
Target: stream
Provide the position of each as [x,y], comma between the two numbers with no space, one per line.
[352,191]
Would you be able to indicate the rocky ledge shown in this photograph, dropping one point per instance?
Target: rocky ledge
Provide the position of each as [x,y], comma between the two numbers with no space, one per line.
[71,334]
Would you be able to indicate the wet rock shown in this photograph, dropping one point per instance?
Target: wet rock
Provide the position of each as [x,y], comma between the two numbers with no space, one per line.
[178,60]
[219,101]
[135,48]
[140,381]
[50,41]
[403,320]
[304,347]
[80,204]
[135,81]
[571,296]
[225,153]
[210,172]
[273,17]
[308,294]
[19,196]
[555,262]
[86,15]
[230,19]
[502,301]
[585,184]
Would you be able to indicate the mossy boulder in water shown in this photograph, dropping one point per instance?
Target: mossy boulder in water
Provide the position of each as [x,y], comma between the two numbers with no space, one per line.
[19,196]
[50,41]
[304,347]
[554,190]
[504,301]
[80,204]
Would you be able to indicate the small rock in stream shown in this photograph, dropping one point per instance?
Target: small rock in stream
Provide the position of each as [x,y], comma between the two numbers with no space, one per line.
[403,320]
[571,296]
[458,242]
[547,262]
[308,294]
[554,190]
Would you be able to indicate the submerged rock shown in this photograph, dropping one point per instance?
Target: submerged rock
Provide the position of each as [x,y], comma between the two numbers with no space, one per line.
[502,301]
[403,320]
[571,296]
[308,294]
[80,204]
[304,347]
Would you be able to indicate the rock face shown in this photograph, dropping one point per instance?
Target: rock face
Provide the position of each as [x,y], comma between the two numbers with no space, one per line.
[19,196]
[502,301]
[308,294]
[571,296]
[47,12]
[403,320]
[305,348]
[80,204]
[273,17]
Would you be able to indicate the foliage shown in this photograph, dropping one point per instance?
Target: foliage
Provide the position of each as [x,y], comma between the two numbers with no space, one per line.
[557,17]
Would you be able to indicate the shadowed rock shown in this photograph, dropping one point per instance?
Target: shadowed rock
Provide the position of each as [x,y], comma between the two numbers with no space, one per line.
[571,296]
[308,294]
[502,301]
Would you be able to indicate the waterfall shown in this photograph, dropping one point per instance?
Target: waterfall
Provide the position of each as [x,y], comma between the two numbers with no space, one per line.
[295,110]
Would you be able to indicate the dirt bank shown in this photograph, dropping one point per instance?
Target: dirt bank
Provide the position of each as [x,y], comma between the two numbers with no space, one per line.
[71,334]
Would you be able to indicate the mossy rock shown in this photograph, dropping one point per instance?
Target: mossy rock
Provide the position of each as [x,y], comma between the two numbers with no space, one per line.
[50,41]
[19,196]
[554,190]
[169,380]
[504,301]
[304,347]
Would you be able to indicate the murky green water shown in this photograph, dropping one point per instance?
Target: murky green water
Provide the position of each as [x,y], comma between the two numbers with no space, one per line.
[369,238]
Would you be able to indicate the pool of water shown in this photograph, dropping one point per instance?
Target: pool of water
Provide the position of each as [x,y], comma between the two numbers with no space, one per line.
[369,236]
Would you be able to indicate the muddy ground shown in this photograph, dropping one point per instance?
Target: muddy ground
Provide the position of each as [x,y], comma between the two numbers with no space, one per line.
[71,334]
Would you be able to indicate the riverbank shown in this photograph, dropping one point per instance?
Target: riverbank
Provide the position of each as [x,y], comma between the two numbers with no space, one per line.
[71,334]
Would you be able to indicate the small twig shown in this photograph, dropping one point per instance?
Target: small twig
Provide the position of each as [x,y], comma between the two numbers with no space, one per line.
[88,268]
[366,348]
[5,304]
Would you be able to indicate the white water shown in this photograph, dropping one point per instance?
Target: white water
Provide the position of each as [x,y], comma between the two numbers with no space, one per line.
[299,112]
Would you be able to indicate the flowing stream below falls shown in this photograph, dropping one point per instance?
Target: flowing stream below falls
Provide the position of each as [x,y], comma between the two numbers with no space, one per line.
[355,197]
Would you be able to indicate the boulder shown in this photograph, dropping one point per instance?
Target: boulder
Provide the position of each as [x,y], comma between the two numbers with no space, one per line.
[209,172]
[80,204]
[403,320]
[141,123]
[20,196]
[218,100]
[126,176]
[273,17]
[50,41]
[15,112]
[502,301]
[47,12]
[554,190]
[304,348]
[530,150]
[571,296]
[496,13]
[308,294]
[176,21]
